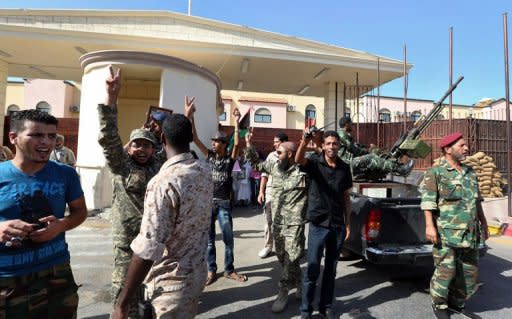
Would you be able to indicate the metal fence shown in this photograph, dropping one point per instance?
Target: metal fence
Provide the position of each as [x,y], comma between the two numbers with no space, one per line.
[488,136]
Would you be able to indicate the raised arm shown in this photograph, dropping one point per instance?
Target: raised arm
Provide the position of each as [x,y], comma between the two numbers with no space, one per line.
[190,109]
[300,157]
[109,138]
[252,156]
[236,134]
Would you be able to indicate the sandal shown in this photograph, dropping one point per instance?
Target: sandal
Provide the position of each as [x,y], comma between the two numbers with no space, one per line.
[235,276]
[211,278]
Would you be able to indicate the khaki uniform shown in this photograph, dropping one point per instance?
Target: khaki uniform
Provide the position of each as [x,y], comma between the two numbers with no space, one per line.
[289,203]
[452,197]
[267,206]
[129,180]
[174,234]
[63,155]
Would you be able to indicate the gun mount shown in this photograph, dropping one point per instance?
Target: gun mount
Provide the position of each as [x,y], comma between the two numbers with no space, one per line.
[410,143]
[372,167]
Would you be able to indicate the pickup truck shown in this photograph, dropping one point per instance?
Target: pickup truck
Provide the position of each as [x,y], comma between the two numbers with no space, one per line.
[387,225]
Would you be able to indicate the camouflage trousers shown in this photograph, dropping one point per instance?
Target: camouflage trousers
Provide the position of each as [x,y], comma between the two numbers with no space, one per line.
[289,242]
[177,301]
[455,276]
[372,163]
[49,293]
[267,215]
[125,228]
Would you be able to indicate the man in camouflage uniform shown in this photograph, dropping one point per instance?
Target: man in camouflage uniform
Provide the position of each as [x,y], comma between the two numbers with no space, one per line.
[366,164]
[455,224]
[264,197]
[173,236]
[131,170]
[289,203]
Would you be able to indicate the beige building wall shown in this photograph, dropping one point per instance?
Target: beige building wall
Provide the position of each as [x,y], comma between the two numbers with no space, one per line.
[288,111]
[134,100]
[15,95]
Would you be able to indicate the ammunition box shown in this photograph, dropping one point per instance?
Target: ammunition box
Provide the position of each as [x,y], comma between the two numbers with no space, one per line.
[415,148]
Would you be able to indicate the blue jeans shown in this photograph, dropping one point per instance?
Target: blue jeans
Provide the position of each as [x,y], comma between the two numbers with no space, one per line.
[221,211]
[318,238]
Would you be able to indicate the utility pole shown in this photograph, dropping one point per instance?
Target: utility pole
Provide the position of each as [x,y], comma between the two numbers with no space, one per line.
[189,7]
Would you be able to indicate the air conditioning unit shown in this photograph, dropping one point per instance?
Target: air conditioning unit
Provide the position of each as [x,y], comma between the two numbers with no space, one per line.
[74,108]
[290,108]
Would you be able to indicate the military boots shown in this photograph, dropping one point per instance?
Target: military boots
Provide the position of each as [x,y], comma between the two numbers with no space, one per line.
[281,300]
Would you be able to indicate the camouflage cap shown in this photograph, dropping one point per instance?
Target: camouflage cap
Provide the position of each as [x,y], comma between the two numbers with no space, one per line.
[139,133]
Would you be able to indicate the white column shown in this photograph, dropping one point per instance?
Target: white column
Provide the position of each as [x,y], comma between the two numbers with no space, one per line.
[175,84]
[178,78]
[330,105]
[4,68]
[95,177]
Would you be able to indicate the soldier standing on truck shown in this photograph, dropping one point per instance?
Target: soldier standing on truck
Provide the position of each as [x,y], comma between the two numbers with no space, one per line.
[455,224]
[362,161]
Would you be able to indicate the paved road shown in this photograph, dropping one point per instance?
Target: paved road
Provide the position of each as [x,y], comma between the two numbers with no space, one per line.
[363,290]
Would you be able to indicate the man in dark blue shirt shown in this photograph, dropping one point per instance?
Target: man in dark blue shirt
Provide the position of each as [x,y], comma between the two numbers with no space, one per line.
[329,216]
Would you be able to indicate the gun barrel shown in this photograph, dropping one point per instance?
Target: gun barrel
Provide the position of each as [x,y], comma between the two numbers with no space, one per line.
[438,107]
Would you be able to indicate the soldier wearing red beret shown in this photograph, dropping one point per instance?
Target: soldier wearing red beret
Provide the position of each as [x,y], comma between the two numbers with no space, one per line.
[455,224]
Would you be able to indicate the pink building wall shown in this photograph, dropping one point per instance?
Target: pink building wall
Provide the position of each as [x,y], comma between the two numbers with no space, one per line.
[394,105]
[58,94]
[495,111]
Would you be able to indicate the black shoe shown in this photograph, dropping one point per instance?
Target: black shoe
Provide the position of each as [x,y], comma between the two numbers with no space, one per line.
[328,314]
[441,313]
[464,312]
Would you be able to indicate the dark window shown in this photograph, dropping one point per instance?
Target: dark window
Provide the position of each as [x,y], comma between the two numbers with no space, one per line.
[385,115]
[13,108]
[415,116]
[263,116]
[43,107]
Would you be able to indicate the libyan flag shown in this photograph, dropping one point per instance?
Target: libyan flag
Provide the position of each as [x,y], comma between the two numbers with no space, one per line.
[243,125]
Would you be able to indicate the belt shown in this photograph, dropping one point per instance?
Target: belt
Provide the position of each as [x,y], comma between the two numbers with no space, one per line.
[23,279]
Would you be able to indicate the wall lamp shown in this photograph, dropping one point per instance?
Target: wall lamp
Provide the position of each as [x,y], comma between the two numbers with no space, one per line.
[5,54]
[245,66]
[320,73]
[304,89]
[81,50]
[48,74]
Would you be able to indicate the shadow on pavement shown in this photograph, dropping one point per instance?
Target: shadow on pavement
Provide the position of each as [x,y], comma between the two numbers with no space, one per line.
[258,293]
[405,280]
[495,296]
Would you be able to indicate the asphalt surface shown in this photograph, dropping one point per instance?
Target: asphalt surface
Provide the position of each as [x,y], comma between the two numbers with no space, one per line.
[363,290]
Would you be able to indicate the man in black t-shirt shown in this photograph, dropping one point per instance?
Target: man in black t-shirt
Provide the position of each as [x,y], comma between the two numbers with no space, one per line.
[329,216]
[222,165]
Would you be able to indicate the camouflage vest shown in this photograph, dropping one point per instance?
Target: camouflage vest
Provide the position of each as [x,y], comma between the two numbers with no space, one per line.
[452,196]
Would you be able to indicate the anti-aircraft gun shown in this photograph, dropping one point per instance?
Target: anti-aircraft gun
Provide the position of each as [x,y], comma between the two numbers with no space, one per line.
[410,143]
[375,167]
